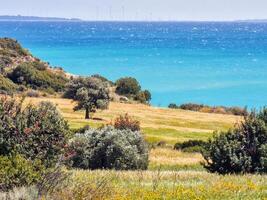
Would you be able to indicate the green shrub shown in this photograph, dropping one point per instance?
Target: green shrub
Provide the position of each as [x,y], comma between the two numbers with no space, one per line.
[191,146]
[29,75]
[143,96]
[11,48]
[173,106]
[109,148]
[37,132]
[210,109]
[127,86]
[242,150]
[7,86]
[126,122]
[16,171]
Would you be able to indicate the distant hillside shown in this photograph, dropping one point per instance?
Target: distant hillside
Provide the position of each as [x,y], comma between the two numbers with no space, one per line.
[254,20]
[20,71]
[33,18]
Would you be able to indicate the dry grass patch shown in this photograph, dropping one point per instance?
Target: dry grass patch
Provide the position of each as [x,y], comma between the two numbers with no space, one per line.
[157,123]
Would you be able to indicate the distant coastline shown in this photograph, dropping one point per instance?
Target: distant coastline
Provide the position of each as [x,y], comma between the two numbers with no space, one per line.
[59,19]
[34,18]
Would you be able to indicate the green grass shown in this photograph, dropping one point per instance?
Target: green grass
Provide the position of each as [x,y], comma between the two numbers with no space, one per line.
[172,136]
[157,124]
[162,185]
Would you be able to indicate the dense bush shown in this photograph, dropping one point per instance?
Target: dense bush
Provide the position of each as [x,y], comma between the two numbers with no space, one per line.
[210,109]
[143,96]
[242,150]
[7,86]
[109,148]
[35,132]
[131,88]
[16,171]
[127,86]
[191,146]
[90,93]
[124,122]
[29,74]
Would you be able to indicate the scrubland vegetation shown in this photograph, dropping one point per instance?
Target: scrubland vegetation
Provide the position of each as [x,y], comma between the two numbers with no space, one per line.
[210,109]
[126,150]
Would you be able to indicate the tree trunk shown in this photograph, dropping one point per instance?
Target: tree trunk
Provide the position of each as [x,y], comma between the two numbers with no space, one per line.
[87,116]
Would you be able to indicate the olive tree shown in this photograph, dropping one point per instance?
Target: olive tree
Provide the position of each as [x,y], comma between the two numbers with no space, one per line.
[91,93]
[108,148]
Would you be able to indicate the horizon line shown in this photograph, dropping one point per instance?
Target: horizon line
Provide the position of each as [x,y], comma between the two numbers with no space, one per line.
[75,19]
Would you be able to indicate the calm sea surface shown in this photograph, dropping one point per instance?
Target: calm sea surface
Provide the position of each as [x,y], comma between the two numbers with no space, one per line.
[211,63]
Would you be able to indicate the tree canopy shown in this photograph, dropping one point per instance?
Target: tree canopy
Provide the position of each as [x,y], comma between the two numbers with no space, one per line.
[91,93]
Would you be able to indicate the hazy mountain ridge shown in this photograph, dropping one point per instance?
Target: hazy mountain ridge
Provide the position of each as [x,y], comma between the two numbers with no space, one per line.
[34,18]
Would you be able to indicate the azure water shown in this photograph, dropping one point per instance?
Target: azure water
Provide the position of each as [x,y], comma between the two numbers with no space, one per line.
[211,63]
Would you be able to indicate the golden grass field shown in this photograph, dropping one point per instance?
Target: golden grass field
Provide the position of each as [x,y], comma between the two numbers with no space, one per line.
[158,124]
[172,174]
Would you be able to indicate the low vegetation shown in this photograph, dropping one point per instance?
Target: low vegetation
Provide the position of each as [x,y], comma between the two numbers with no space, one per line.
[191,146]
[124,122]
[7,86]
[210,109]
[241,150]
[34,76]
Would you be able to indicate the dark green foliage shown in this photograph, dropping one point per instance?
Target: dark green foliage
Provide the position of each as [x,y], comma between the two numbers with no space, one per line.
[127,86]
[7,86]
[143,96]
[210,109]
[173,106]
[91,94]
[242,150]
[16,171]
[109,148]
[148,96]
[131,88]
[29,75]
[191,146]
[35,132]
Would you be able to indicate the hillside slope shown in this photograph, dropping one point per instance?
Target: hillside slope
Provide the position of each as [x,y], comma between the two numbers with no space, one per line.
[158,124]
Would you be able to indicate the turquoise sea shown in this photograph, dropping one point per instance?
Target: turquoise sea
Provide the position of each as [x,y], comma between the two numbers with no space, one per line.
[206,62]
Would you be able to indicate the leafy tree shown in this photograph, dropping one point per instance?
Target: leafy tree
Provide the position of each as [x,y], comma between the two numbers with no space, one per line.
[108,148]
[242,150]
[90,92]
[127,86]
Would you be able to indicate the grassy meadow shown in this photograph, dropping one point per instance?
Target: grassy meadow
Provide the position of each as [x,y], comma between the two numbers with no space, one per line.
[171,174]
[158,124]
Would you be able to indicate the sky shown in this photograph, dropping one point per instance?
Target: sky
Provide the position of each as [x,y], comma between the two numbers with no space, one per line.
[177,10]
